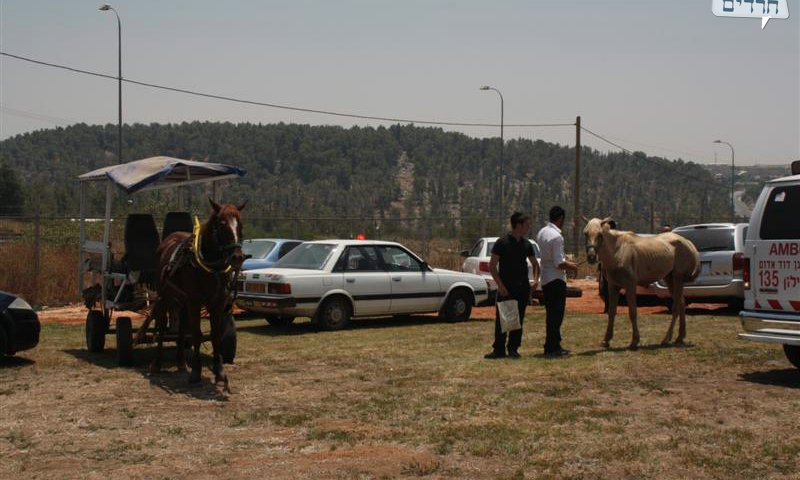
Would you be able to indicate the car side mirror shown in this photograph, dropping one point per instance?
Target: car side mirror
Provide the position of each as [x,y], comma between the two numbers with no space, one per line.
[464,253]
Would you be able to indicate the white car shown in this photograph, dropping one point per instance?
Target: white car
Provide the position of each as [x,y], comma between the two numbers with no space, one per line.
[332,281]
[476,261]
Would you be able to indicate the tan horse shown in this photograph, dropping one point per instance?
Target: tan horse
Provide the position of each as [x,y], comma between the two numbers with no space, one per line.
[629,260]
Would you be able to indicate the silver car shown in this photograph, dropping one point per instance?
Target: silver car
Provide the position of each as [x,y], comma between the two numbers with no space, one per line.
[721,247]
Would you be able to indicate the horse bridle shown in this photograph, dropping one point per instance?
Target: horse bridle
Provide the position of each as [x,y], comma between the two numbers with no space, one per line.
[223,265]
[594,248]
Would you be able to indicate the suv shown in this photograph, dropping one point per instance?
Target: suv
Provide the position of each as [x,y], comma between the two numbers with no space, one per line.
[721,248]
[772,267]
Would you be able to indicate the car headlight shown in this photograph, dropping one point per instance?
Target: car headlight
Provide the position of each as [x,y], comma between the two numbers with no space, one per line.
[20,304]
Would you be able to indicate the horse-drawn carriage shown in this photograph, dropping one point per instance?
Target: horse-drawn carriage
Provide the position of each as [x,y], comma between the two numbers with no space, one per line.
[125,280]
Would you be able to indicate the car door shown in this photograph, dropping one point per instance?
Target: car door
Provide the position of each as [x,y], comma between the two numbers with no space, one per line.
[414,287]
[365,280]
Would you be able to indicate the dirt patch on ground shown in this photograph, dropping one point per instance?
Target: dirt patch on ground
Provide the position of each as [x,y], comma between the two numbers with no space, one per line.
[589,302]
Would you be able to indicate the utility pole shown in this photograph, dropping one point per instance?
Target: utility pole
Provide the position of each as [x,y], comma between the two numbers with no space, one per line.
[576,216]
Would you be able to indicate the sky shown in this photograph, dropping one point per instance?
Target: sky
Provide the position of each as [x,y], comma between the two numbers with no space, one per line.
[664,77]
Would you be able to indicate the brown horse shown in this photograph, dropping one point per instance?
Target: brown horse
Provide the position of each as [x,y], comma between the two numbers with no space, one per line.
[194,271]
[629,260]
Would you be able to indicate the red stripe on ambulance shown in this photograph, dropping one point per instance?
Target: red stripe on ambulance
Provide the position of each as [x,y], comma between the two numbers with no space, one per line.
[776,305]
[795,305]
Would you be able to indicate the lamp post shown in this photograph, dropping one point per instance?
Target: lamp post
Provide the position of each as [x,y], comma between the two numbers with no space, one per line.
[733,178]
[106,7]
[502,145]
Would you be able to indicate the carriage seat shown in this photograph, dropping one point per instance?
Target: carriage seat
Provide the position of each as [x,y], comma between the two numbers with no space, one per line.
[176,222]
[141,243]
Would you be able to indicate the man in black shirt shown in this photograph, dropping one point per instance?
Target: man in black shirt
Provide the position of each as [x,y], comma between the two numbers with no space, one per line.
[510,253]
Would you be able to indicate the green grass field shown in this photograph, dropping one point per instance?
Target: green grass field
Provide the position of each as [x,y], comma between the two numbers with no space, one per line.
[410,399]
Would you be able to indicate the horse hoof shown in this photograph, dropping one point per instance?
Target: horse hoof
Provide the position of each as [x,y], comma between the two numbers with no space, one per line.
[633,347]
[665,342]
[680,343]
[605,345]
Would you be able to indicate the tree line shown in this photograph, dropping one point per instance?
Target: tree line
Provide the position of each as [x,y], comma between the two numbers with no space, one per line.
[444,183]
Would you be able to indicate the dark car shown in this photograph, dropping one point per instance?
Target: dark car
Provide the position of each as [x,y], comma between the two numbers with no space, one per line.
[264,252]
[19,325]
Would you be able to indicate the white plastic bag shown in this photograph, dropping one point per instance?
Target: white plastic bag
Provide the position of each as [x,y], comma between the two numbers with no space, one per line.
[508,311]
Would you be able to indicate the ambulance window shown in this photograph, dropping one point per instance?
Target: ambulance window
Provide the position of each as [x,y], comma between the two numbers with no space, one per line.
[781,220]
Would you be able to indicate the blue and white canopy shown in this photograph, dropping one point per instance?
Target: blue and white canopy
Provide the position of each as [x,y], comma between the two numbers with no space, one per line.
[162,172]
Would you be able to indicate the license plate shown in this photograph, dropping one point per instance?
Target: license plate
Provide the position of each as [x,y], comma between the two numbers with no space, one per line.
[705,268]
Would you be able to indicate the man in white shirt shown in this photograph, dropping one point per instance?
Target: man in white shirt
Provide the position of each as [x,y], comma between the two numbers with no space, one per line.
[554,279]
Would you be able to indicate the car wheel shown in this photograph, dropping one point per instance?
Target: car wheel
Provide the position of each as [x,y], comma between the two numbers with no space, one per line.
[228,347]
[334,314]
[458,306]
[736,304]
[3,342]
[279,321]
[96,326]
[124,341]
[792,354]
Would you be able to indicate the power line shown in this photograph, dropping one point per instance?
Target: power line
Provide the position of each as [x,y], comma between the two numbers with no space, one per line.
[646,159]
[278,106]
[37,116]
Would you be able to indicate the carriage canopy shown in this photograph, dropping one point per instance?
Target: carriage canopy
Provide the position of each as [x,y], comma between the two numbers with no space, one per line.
[162,172]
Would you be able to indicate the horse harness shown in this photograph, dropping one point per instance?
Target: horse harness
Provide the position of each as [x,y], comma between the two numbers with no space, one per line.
[189,252]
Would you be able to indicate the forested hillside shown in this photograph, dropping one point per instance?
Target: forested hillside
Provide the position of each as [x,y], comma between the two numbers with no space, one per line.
[407,177]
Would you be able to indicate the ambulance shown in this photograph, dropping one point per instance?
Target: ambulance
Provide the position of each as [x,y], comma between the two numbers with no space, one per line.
[772,267]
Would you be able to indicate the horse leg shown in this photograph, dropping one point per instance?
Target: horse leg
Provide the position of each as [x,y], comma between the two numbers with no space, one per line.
[613,298]
[159,313]
[682,327]
[677,301]
[180,359]
[216,342]
[193,320]
[630,296]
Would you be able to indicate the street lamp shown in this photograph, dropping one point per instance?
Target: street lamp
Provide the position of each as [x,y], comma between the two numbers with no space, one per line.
[502,183]
[733,178]
[106,7]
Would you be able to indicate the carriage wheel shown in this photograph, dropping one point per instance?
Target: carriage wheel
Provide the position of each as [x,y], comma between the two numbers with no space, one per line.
[279,321]
[228,346]
[458,306]
[124,341]
[334,314]
[96,327]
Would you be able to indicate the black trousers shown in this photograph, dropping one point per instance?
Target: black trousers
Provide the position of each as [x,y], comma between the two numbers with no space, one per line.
[521,294]
[555,302]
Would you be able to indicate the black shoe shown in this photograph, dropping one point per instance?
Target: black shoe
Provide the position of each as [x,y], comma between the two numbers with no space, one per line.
[513,354]
[493,355]
[557,353]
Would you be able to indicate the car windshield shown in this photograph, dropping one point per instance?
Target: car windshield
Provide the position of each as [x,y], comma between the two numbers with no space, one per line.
[710,239]
[307,256]
[257,248]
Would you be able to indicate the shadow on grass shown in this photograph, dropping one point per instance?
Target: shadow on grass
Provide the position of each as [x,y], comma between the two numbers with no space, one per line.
[787,377]
[646,348]
[169,379]
[304,328]
[15,362]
